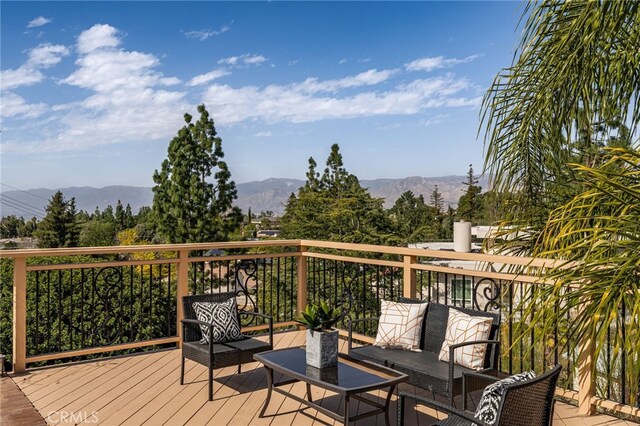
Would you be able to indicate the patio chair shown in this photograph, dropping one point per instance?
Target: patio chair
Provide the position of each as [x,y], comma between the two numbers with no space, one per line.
[524,403]
[217,355]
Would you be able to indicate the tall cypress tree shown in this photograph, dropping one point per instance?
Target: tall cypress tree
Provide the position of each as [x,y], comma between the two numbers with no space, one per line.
[188,207]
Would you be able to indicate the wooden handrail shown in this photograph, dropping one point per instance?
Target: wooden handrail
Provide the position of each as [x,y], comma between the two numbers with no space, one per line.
[408,259]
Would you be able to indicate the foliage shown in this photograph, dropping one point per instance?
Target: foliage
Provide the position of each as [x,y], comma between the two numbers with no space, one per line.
[574,76]
[469,205]
[335,207]
[59,227]
[95,233]
[597,237]
[10,226]
[413,220]
[187,206]
[319,316]
[573,88]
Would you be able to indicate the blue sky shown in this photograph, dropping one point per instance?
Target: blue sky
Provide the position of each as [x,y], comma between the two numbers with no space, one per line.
[93,92]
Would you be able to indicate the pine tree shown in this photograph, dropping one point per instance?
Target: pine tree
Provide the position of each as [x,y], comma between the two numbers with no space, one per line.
[469,205]
[58,228]
[119,216]
[437,201]
[189,208]
[335,207]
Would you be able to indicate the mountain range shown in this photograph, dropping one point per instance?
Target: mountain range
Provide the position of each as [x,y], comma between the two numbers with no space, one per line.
[270,194]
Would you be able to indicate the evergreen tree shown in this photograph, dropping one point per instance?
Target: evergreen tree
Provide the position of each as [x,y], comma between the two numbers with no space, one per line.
[187,207]
[469,205]
[73,229]
[335,207]
[412,219]
[129,220]
[437,201]
[119,216]
[58,228]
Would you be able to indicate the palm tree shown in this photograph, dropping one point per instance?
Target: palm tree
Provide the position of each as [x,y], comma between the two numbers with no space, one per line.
[574,85]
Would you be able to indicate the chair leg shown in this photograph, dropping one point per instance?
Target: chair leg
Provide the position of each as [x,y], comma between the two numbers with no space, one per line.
[182,372]
[401,411]
[210,382]
[239,368]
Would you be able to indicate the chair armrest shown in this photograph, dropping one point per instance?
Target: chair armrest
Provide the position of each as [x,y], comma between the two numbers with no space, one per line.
[451,411]
[495,343]
[452,349]
[195,322]
[187,322]
[351,322]
[265,316]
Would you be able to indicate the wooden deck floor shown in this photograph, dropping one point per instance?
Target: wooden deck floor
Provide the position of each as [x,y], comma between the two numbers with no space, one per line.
[144,389]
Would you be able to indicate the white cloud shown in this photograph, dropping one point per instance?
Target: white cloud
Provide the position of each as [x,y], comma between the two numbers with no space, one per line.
[436,62]
[367,78]
[264,134]
[38,22]
[246,59]
[342,61]
[96,37]
[43,56]
[22,76]
[128,100]
[12,105]
[291,103]
[202,35]
[46,55]
[206,78]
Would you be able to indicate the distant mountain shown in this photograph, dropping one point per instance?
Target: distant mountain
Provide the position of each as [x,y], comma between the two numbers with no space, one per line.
[270,194]
[26,203]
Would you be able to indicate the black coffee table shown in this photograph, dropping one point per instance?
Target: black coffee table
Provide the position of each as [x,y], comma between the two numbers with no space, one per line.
[350,378]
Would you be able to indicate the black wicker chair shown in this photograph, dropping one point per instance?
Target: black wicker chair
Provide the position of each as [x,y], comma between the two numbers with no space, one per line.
[217,355]
[528,403]
[424,368]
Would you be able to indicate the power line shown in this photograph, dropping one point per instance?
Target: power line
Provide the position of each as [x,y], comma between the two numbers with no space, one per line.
[31,206]
[22,190]
[23,209]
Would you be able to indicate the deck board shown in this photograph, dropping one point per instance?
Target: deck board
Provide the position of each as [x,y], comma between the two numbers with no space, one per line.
[145,389]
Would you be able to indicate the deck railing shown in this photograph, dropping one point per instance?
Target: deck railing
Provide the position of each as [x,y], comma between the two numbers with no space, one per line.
[77,302]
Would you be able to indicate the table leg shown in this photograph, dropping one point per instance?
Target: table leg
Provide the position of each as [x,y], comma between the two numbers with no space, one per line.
[309,397]
[269,388]
[346,410]
[386,405]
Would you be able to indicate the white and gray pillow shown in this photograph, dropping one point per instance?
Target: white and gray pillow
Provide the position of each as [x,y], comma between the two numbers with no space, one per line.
[400,325]
[224,318]
[487,409]
[463,328]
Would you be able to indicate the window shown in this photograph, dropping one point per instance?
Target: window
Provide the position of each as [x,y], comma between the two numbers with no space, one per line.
[461,291]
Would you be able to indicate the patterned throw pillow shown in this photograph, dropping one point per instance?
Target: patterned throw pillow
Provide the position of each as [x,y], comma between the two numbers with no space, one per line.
[487,409]
[466,328]
[400,325]
[224,318]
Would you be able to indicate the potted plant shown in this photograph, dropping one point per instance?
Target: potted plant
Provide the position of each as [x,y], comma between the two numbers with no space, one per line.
[322,338]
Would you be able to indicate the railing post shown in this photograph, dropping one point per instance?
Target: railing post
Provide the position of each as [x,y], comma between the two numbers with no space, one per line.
[586,378]
[182,289]
[302,281]
[19,314]
[409,275]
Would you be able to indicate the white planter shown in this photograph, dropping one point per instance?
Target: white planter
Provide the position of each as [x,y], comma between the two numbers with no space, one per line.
[322,348]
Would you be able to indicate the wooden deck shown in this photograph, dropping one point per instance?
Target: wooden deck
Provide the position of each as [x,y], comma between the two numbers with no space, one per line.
[144,389]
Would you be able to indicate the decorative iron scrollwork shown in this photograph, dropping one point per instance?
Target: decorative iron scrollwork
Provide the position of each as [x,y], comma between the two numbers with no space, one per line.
[107,286]
[246,270]
[491,291]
